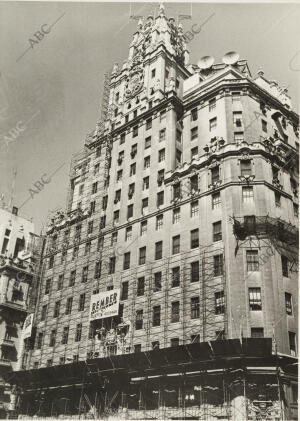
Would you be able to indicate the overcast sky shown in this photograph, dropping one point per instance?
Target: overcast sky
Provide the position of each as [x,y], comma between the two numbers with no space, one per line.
[56,85]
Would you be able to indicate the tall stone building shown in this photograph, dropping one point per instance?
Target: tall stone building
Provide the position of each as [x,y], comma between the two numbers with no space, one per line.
[19,259]
[182,214]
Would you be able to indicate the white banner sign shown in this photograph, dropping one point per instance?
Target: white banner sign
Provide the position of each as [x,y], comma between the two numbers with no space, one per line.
[27,328]
[105,304]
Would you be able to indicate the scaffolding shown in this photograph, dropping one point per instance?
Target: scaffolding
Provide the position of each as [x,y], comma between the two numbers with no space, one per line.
[266,231]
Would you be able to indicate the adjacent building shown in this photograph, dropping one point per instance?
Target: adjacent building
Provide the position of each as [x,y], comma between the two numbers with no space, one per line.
[19,259]
[182,213]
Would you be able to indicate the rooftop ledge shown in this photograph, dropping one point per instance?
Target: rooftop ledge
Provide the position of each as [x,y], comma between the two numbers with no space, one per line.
[217,148]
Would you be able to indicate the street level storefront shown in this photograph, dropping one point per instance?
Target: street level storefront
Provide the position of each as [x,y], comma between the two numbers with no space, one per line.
[226,379]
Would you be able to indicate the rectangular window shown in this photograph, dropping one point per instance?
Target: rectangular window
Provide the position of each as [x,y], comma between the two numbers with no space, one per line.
[129,211]
[44,312]
[145,203]
[116,216]
[87,248]
[143,227]
[122,138]
[194,153]
[133,150]
[177,191]
[163,115]
[104,202]
[137,348]
[212,123]
[78,332]
[178,157]
[56,309]
[160,177]
[194,238]
[246,168]
[142,256]
[128,233]
[216,200]
[90,227]
[194,114]
[175,312]
[112,265]
[219,302]
[194,133]
[284,265]
[277,199]
[39,340]
[288,304]
[84,275]
[238,137]
[292,342]
[176,215]
[69,305]
[237,118]
[195,272]
[65,335]
[176,277]
[156,316]
[160,198]
[96,169]
[176,244]
[114,238]
[124,292]
[60,282]
[218,265]
[161,155]
[194,208]
[255,299]
[252,260]
[217,231]
[81,302]
[195,308]
[135,131]
[131,189]
[247,194]
[126,261]
[148,123]
[159,222]
[146,162]
[296,210]
[52,337]
[132,169]
[215,174]
[162,135]
[147,142]
[178,135]
[140,286]
[145,183]
[153,71]
[257,332]
[158,250]
[92,207]
[72,278]
[97,270]
[174,342]
[194,182]
[75,253]
[102,222]
[236,96]
[212,104]
[51,262]
[94,187]
[119,175]
[139,320]
[157,281]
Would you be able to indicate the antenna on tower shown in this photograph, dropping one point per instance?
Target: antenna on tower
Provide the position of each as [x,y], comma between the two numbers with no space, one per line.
[13,184]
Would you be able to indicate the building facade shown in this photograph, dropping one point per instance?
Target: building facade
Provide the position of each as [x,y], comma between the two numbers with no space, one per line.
[185,201]
[18,262]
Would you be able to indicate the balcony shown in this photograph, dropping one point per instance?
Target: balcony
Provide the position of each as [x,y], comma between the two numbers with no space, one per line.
[4,362]
[7,342]
[19,306]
